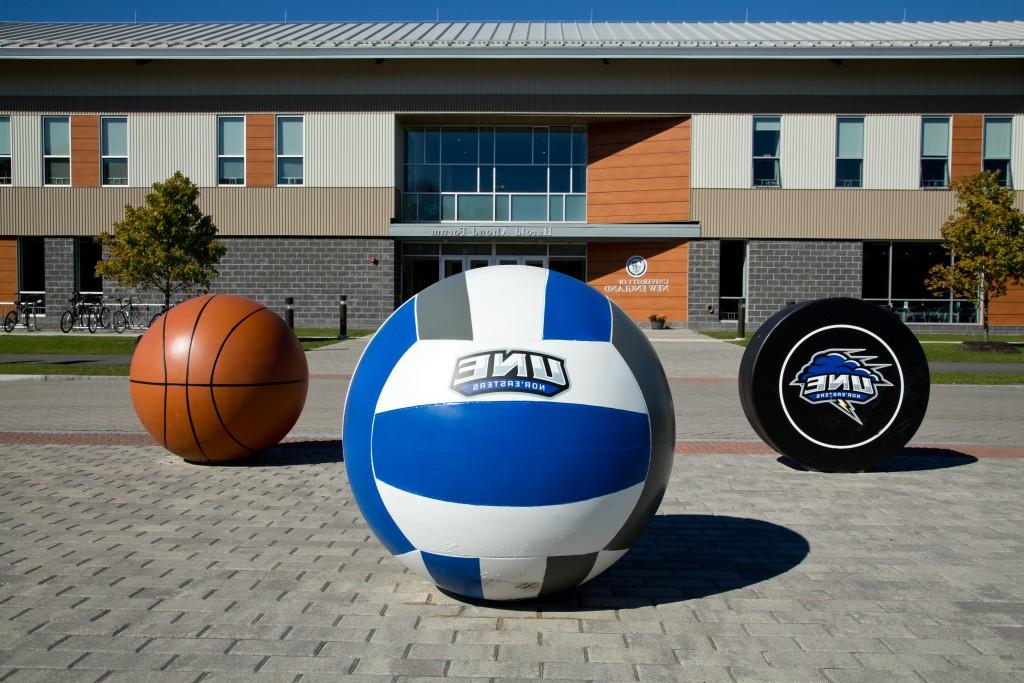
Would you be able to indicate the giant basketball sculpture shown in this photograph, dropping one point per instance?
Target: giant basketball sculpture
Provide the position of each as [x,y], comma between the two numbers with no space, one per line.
[218,378]
[508,433]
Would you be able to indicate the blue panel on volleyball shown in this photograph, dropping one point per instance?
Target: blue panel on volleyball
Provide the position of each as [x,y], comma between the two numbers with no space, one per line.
[572,312]
[458,574]
[496,453]
[391,341]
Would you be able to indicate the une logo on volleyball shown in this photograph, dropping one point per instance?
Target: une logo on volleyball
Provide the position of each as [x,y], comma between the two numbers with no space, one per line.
[510,370]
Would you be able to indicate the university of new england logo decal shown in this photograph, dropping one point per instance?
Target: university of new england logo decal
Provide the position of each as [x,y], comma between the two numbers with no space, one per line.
[842,378]
[510,370]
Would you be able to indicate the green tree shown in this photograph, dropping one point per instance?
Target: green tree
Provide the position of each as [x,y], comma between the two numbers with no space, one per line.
[986,237]
[168,244]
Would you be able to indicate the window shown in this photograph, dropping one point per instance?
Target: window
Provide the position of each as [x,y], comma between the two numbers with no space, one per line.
[87,254]
[849,152]
[473,173]
[732,278]
[5,150]
[231,150]
[114,150]
[997,148]
[767,131]
[894,274]
[935,151]
[32,271]
[56,150]
[290,147]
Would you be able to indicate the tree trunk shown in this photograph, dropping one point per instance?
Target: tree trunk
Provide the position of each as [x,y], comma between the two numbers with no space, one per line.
[984,310]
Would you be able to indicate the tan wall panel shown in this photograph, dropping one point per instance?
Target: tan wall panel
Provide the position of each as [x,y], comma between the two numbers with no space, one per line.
[160,144]
[85,150]
[966,152]
[627,151]
[8,268]
[300,211]
[26,150]
[1009,309]
[259,150]
[662,290]
[825,214]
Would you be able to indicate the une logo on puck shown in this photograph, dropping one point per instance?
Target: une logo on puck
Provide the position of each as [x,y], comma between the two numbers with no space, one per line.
[842,379]
[841,366]
[511,370]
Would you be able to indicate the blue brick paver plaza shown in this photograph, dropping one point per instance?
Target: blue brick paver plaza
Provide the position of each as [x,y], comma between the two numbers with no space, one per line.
[121,562]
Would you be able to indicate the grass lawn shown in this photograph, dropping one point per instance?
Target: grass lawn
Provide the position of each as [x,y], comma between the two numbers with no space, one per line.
[66,344]
[57,369]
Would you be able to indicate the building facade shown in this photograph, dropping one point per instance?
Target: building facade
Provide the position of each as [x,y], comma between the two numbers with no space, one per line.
[678,168]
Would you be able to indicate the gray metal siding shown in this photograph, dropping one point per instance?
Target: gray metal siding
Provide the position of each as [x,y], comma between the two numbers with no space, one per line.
[298,211]
[350,149]
[823,214]
[892,152]
[26,150]
[1017,162]
[722,149]
[808,151]
[160,144]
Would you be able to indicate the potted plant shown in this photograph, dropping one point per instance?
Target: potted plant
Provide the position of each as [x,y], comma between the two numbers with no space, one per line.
[657,321]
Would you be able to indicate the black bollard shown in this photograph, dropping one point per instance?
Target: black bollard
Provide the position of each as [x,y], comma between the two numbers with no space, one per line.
[343,317]
[741,320]
[289,312]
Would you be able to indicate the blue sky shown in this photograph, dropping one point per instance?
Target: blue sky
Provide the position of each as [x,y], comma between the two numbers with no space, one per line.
[573,10]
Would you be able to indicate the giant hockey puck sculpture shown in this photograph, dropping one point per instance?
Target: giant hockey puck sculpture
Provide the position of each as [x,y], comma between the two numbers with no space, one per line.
[508,433]
[838,385]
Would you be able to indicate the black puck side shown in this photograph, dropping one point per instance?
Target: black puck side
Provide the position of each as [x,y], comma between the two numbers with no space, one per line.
[838,385]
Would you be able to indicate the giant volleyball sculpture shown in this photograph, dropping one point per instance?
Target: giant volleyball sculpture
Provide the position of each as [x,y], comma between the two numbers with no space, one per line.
[508,433]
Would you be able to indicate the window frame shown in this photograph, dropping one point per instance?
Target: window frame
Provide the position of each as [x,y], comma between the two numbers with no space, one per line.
[860,179]
[1006,179]
[231,156]
[104,157]
[10,152]
[45,156]
[277,150]
[486,173]
[778,153]
[946,158]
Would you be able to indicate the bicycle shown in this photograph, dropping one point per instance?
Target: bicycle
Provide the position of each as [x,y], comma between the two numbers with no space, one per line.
[79,314]
[26,309]
[127,316]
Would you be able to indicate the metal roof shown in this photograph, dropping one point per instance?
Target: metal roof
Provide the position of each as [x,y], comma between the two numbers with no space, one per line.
[511,39]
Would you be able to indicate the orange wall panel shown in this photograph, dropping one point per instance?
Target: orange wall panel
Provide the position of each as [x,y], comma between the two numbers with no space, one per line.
[639,171]
[85,150]
[1009,309]
[8,268]
[259,150]
[966,153]
[662,289]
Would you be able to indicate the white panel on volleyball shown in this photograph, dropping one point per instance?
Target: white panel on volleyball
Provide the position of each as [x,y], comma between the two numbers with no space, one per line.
[423,376]
[445,528]
[507,578]
[503,302]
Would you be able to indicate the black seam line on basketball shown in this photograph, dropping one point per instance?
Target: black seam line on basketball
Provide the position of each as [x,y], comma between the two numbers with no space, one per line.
[188,364]
[163,355]
[213,370]
[197,384]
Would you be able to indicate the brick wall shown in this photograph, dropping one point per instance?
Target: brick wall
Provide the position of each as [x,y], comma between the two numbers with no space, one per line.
[313,270]
[703,286]
[789,270]
[60,278]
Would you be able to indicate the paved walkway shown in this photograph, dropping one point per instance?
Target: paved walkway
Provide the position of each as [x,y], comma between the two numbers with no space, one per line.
[120,562]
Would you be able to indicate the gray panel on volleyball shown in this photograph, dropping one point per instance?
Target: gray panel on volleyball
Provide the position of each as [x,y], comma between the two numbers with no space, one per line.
[640,356]
[442,311]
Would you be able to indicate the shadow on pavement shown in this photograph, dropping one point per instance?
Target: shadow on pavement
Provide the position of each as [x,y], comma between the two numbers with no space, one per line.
[683,557]
[312,452]
[910,459]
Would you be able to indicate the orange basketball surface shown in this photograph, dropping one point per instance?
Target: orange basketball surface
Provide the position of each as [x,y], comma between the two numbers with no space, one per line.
[218,378]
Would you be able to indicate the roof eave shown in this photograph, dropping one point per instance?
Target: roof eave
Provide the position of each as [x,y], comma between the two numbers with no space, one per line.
[525,52]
